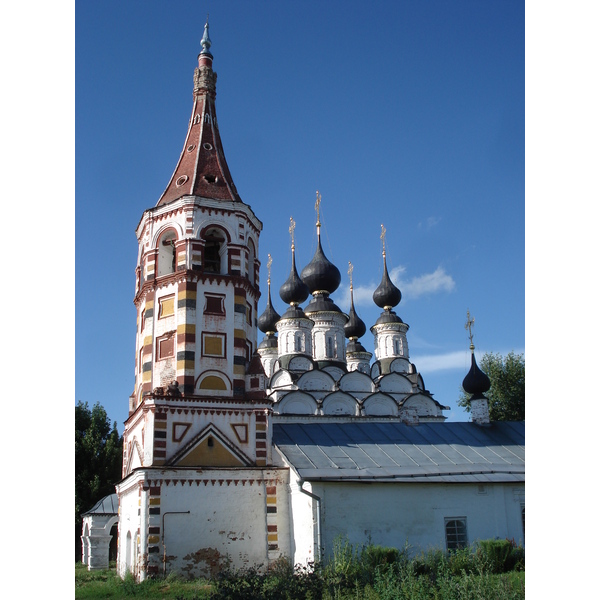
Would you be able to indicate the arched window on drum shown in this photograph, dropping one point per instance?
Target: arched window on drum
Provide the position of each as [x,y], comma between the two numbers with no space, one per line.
[167,254]
[215,252]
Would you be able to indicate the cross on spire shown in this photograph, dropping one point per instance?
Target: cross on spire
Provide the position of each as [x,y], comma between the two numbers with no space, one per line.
[382,236]
[468,325]
[317,207]
[350,270]
[269,263]
[291,230]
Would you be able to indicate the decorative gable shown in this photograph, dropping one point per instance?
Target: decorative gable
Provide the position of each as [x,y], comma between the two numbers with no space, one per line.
[210,448]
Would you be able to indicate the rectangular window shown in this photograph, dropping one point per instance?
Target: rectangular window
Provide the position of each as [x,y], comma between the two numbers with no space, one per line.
[165,346]
[214,304]
[456,532]
[166,306]
[213,344]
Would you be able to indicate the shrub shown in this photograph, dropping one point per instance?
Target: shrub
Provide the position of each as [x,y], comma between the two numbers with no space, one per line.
[501,556]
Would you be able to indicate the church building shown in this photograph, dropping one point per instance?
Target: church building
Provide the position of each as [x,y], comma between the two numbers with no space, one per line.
[244,447]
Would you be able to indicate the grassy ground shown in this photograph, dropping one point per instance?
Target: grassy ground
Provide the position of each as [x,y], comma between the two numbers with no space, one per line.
[107,584]
[388,584]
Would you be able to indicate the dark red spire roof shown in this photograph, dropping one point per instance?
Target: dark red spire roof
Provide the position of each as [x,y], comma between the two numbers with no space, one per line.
[202,169]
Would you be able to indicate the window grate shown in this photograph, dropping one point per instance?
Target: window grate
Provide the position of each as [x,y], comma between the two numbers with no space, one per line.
[456,533]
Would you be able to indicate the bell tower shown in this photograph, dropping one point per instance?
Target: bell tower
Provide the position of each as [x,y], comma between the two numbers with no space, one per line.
[197,274]
[197,443]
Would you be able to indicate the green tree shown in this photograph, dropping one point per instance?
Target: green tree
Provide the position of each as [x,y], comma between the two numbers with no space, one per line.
[98,460]
[507,392]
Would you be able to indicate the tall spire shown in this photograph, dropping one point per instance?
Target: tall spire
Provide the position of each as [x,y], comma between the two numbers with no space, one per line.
[202,169]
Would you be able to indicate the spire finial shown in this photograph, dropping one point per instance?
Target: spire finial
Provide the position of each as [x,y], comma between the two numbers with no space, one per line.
[382,236]
[269,263]
[317,208]
[291,230]
[350,270]
[470,322]
[205,41]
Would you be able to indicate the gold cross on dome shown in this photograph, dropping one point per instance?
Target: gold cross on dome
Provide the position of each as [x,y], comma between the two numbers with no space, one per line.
[291,230]
[269,263]
[350,269]
[382,236]
[317,207]
[470,322]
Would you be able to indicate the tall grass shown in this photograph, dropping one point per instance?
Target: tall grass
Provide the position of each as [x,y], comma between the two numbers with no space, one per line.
[489,570]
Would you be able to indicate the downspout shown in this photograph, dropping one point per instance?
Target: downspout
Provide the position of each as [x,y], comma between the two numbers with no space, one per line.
[317,499]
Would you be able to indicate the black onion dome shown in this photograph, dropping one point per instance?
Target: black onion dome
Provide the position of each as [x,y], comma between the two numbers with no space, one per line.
[320,274]
[388,316]
[355,327]
[268,320]
[354,346]
[294,312]
[294,290]
[476,382]
[387,294]
[321,303]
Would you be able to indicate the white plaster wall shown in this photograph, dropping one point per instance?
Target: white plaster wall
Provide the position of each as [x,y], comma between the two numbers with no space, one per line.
[393,514]
[129,521]
[227,520]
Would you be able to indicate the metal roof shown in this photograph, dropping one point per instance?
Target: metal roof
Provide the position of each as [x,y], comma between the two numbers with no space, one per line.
[454,452]
[109,505]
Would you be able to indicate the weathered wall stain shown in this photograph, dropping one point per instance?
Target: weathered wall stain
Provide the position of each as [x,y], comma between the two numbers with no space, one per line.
[205,561]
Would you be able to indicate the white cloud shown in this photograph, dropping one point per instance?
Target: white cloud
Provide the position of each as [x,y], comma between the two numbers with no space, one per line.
[460,359]
[430,223]
[429,283]
[429,363]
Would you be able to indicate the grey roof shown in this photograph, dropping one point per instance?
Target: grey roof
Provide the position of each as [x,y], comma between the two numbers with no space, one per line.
[109,505]
[454,452]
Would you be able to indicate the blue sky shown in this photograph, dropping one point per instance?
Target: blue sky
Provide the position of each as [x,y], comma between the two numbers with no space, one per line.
[406,114]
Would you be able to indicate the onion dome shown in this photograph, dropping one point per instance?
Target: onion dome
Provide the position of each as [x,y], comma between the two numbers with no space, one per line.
[387,295]
[476,382]
[294,290]
[320,274]
[321,303]
[355,327]
[268,320]
[354,346]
